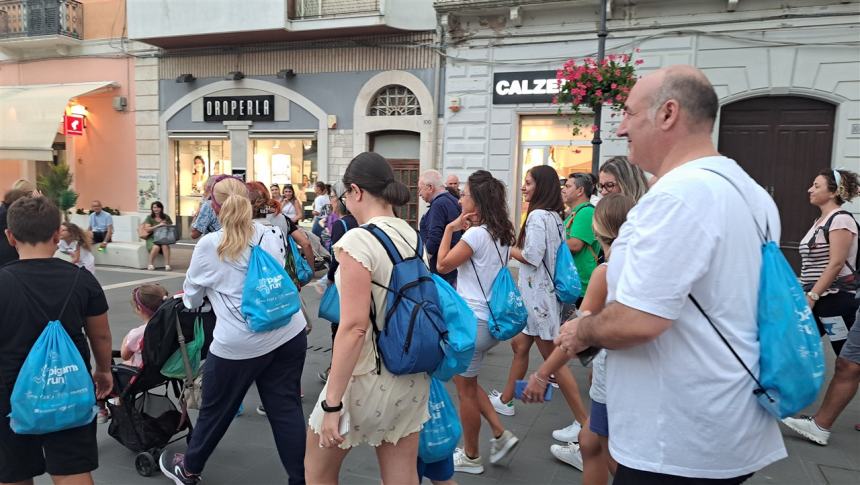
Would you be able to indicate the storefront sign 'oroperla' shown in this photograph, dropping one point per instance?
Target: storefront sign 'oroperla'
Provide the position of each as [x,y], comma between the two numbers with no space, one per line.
[524,87]
[239,108]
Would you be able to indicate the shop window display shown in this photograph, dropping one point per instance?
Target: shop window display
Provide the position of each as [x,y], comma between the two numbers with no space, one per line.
[196,161]
[549,140]
[287,161]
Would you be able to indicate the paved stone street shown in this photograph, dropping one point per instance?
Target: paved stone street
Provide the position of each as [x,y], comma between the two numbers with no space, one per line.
[247,453]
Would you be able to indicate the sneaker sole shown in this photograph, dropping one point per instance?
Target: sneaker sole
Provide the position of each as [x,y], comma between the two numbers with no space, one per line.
[470,470]
[261,413]
[574,465]
[809,436]
[507,449]
[169,474]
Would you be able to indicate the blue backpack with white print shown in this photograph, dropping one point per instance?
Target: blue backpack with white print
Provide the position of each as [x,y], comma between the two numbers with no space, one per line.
[508,314]
[791,359]
[269,297]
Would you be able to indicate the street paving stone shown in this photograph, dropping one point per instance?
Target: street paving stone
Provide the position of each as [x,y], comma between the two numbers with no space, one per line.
[247,453]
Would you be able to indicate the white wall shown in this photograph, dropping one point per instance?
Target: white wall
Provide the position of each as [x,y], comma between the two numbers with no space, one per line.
[741,56]
[167,18]
[410,14]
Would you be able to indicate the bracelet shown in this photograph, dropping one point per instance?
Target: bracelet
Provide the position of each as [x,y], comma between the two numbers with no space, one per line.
[331,409]
[539,379]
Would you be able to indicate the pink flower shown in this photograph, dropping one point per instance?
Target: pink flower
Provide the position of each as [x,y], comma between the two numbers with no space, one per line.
[613,86]
[593,128]
[598,92]
[637,50]
[639,61]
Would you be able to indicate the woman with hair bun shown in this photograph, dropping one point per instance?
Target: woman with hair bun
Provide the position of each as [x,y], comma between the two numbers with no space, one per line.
[363,403]
[239,357]
[828,254]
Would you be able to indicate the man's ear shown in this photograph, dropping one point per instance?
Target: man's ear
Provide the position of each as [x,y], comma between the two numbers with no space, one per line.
[10,237]
[56,236]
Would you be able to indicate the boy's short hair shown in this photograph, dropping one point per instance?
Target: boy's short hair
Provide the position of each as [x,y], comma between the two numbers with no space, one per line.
[33,220]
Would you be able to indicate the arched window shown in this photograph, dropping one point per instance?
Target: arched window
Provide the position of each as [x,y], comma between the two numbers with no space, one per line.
[395,101]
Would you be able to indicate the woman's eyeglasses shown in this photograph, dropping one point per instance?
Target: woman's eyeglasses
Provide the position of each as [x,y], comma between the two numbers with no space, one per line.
[607,186]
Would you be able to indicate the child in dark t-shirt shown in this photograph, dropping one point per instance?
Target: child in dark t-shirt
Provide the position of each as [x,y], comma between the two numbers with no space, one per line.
[32,287]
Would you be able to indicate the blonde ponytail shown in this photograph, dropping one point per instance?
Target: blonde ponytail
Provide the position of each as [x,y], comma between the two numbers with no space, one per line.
[235,218]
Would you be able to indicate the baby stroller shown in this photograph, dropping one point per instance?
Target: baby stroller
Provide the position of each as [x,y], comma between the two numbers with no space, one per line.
[144,417]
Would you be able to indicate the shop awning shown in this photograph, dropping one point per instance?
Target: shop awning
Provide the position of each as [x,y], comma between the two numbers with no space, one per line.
[30,116]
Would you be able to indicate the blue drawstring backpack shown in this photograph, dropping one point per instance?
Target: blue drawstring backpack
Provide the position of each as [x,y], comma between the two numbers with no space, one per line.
[459,344]
[568,287]
[442,431]
[304,273]
[791,359]
[54,390]
[508,314]
[411,340]
[269,297]
[330,305]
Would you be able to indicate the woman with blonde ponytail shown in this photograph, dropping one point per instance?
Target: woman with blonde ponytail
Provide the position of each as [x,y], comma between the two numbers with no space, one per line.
[238,357]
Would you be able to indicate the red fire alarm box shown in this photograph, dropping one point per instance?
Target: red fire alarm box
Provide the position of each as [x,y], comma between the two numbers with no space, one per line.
[74,125]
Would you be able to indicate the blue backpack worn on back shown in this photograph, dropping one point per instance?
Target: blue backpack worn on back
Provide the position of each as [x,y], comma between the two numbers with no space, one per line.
[411,341]
[791,360]
[459,343]
[269,297]
[508,314]
[54,390]
[568,287]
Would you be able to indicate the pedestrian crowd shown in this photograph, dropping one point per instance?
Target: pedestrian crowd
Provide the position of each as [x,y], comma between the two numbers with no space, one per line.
[669,271]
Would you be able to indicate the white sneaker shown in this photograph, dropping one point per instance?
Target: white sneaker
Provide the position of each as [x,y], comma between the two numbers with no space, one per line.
[499,447]
[463,463]
[805,426]
[500,407]
[103,416]
[569,434]
[568,453]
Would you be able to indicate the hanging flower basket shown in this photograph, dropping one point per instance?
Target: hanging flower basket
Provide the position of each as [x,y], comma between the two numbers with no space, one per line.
[590,84]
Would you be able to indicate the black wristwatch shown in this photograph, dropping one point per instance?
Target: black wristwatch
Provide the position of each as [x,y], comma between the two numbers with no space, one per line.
[331,409]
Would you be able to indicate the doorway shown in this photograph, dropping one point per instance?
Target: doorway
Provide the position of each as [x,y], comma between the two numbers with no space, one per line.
[782,142]
[401,149]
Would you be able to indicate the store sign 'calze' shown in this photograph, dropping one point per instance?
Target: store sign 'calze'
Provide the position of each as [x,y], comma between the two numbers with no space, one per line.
[239,108]
[524,87]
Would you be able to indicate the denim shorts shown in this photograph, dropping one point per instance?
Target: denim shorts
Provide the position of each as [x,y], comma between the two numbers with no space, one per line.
[598,422]
[851,350]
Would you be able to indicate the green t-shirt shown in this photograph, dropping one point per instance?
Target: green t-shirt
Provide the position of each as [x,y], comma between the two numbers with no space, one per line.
[578,225]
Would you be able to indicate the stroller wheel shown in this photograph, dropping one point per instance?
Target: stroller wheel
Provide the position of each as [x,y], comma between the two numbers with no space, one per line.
[145,464]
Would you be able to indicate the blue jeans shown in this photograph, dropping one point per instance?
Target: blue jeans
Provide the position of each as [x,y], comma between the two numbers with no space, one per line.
[225,382]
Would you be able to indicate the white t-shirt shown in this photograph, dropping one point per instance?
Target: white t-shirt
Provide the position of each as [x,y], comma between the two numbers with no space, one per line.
[485,255]
[86,260]
[288,209]
[682,404]
[222,282]
[320,202]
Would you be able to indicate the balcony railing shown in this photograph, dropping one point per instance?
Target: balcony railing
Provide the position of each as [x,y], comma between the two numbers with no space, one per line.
[314,9]
[33,18]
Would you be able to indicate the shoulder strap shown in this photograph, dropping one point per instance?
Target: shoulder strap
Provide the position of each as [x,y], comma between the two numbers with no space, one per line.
[826,230]
[345,226]
[29,294]
[387,243]
[760,389]
[764,235]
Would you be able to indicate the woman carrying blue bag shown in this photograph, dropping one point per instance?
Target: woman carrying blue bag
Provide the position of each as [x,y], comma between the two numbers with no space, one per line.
[239,356]
[479,256]
[536,250]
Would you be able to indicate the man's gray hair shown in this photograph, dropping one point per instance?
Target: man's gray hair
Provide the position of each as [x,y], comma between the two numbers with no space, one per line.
[693,92]
[432,178]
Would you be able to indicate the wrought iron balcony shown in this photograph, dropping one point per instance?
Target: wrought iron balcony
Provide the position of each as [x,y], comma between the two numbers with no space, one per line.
[40,18]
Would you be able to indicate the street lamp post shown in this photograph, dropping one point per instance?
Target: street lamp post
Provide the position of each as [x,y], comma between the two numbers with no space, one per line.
[598,110]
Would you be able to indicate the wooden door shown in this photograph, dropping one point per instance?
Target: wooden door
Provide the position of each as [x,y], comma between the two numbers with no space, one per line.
[782,142]
[406,171]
